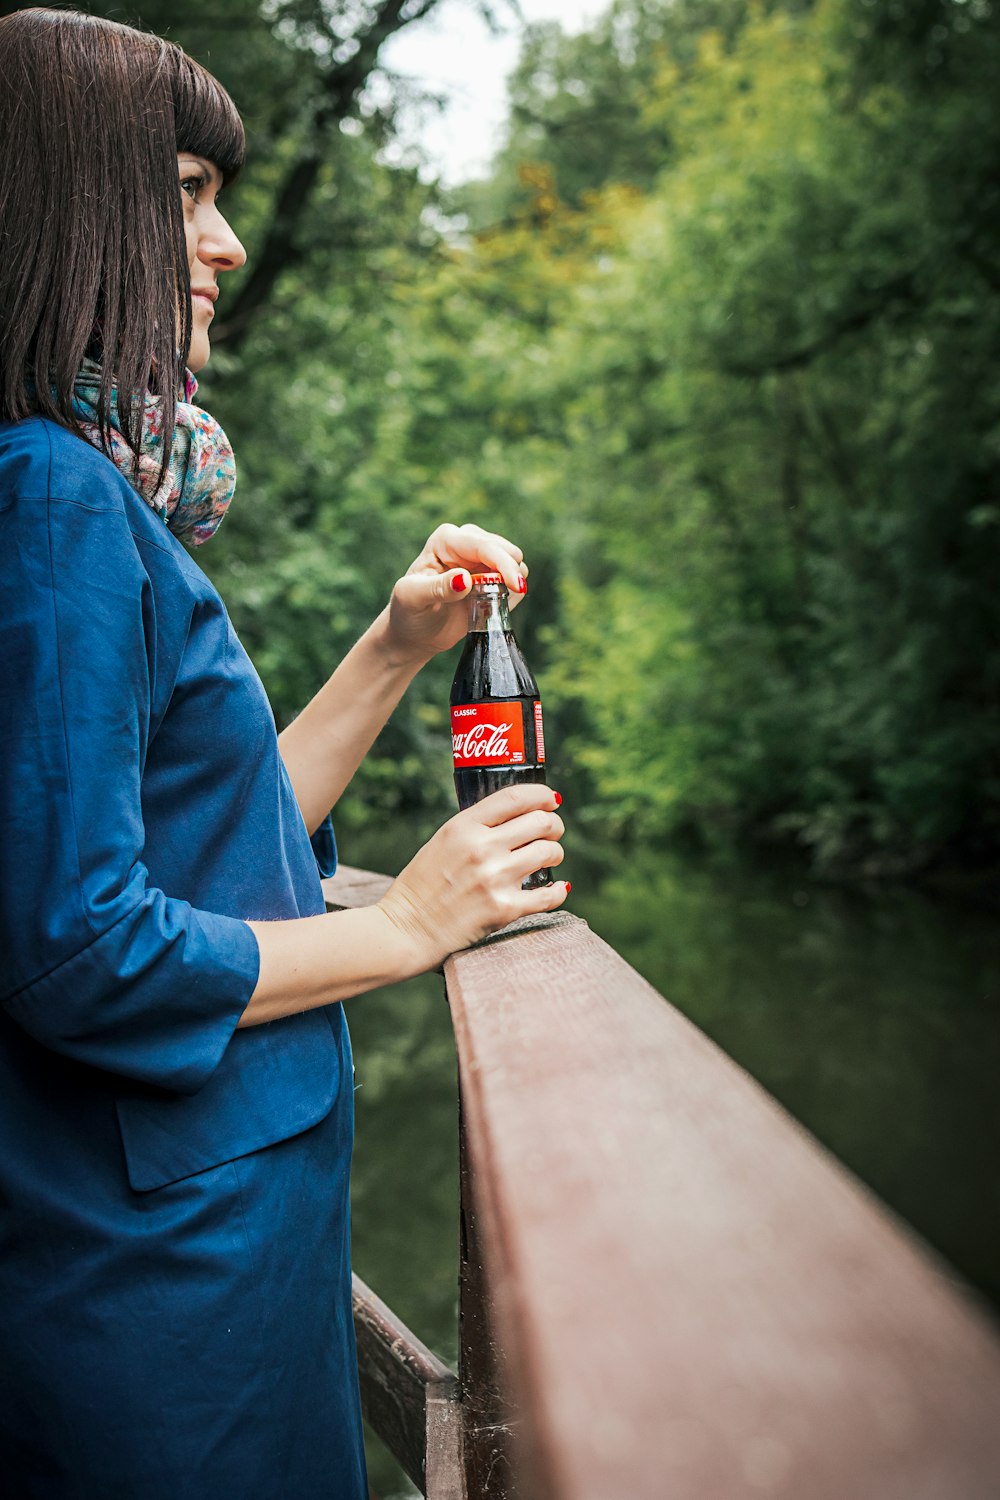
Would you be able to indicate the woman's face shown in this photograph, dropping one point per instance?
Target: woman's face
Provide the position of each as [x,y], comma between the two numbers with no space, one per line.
[212,247]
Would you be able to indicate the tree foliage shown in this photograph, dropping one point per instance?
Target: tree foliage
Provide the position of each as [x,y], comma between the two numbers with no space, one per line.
[775,389]
[716,342]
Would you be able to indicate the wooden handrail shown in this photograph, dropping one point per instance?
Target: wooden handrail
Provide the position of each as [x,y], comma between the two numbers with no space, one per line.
[681,1293]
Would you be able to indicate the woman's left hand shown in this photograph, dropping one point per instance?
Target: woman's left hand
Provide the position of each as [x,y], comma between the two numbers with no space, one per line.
[427,611]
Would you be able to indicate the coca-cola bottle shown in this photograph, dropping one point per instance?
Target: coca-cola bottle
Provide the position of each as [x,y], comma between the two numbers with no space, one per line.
[496,713]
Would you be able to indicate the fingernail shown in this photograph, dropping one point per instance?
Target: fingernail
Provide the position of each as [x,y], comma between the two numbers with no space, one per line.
[460,582]
[569,886]
[522,585]
[558,798]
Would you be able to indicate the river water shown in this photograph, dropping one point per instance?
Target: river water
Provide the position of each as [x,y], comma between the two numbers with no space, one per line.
[874,1018]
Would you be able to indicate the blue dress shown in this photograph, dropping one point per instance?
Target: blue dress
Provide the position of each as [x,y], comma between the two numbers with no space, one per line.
[175,1310]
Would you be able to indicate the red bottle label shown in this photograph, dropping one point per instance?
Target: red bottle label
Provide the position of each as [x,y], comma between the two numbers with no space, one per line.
[487,734]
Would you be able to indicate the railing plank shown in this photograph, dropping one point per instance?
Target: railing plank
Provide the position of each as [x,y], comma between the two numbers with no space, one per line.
[409,1397]
[352,888]
[694,1299]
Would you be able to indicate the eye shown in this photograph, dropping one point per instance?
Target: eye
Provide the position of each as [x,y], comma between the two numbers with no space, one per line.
[193,184]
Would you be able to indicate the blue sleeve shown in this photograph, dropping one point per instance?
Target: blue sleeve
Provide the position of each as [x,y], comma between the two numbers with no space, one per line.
[95,963]
[324,848]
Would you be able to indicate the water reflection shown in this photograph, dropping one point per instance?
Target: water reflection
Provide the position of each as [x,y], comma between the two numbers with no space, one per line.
[872,1018]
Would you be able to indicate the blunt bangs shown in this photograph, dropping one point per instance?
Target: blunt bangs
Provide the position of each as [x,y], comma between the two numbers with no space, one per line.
[206,121]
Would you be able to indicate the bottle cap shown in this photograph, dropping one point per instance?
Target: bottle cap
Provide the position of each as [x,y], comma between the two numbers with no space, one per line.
[487,578]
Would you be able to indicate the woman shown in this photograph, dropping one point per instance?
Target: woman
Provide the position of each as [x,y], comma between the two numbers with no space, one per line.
[176,1099]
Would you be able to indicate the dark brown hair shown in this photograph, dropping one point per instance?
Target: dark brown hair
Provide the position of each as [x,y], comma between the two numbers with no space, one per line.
[92,250]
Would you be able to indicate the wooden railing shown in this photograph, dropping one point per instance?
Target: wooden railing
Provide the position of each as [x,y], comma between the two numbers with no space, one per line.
[668,1289]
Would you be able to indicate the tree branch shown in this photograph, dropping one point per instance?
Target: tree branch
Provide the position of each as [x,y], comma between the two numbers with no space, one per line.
[337,98]
[900,288]
[981,263]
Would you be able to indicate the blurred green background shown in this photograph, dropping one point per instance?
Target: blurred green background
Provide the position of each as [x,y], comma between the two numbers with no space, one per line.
[717,341]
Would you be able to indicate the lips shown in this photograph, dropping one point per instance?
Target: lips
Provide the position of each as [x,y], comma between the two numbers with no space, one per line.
[206,294]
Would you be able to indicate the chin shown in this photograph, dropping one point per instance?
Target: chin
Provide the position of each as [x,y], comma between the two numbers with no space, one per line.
[198,355]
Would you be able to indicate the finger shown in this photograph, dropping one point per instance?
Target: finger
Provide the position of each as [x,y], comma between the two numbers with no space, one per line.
[530,826]
[479,551]
[494,559]
[454,584]
[511,802]
[420,590]
[494,538]
[522,586]
[542,854]
[477,561]
[543,898]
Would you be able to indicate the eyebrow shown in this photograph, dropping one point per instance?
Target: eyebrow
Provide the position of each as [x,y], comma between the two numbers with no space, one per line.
[214,175]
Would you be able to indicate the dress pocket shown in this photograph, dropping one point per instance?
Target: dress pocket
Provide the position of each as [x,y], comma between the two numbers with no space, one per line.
[274,1081]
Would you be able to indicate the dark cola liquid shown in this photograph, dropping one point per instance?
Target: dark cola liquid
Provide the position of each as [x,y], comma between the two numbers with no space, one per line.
[492,669]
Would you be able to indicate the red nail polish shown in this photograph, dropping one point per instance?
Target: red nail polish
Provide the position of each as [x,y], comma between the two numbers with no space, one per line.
[522,585]
[569,886]
[558,798]
[458,583]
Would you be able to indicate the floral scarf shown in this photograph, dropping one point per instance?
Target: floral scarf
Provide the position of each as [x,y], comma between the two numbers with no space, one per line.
[201,475]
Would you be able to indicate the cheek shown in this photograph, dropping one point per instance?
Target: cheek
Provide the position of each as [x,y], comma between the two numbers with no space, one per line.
[191,240]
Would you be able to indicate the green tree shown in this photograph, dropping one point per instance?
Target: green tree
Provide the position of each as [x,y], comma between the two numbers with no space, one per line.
[777,395]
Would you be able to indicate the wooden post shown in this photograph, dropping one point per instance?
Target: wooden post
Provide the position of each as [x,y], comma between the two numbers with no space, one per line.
[485,1413]
[409,1397]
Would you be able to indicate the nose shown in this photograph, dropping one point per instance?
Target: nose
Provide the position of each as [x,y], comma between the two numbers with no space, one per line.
[218,246]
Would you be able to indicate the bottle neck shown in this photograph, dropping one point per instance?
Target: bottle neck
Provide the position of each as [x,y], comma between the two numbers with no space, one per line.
[488,609]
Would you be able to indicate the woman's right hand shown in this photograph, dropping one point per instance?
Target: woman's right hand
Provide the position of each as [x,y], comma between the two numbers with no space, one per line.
[463,884]
[466,881]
